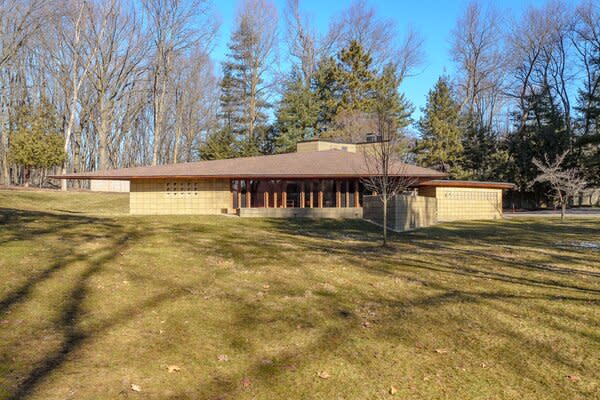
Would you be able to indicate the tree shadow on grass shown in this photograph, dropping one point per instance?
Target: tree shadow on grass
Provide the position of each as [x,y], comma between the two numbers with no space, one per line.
[24,226]
[17,226]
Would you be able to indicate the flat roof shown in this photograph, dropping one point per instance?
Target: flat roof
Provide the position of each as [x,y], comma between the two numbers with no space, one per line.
[310,164]
[466,184]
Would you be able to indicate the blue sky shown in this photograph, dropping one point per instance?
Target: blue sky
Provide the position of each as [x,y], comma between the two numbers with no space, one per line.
[434,20]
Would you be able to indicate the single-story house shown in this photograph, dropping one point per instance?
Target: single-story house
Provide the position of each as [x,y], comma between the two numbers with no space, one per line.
[321,179]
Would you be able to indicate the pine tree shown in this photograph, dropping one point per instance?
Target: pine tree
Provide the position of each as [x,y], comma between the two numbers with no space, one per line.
[481,152]
[543,135]
[297,115]
[589,110]
[440,145]
[37,141]
[220,145]
[243,98]
[355,79]
[389,105]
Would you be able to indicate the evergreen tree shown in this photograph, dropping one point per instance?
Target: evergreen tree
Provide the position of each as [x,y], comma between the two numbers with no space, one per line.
[219,145]
[440,145]
[297,115]
[389,105]
[355,79]
[483,155]
[324,89]
[589,110]
[243,98]
[37,141]
[543,135]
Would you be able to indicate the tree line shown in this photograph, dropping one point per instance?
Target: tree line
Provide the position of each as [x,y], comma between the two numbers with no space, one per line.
[90,85]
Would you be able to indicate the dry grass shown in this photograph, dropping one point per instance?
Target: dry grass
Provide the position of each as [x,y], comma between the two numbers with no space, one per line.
[93,301]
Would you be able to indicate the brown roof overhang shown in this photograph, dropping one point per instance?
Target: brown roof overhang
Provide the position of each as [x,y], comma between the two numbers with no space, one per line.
[466,184]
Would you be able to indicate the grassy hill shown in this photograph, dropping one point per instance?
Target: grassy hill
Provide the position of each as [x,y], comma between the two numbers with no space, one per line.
[94,301]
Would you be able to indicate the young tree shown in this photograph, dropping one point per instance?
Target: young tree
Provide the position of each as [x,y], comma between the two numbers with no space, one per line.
[565,183]
[440,145]
[37,142]
[387,175]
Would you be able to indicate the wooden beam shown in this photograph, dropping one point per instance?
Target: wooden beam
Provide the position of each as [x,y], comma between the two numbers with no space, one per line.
[284,194]
[321,194]
[302,195]
[356,197]
[338,195]
[275,205]
[347,194]
[248,194]
[311,197]
[266,199]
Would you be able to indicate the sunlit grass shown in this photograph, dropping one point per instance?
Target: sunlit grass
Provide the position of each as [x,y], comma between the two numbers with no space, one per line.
[94,300]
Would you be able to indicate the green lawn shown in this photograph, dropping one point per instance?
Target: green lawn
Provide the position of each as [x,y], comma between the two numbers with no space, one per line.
[93,300]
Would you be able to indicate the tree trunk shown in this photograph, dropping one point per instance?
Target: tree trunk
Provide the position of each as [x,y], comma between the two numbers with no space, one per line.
[385,217]
[563,210]
[103,134]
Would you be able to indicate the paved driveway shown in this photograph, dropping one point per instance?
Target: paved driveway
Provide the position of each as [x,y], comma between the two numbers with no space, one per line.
[575,212]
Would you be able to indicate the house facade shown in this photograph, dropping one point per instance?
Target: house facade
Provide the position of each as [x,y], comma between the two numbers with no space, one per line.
[321,179]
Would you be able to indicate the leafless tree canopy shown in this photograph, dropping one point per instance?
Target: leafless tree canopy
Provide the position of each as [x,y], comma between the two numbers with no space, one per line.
[565,183]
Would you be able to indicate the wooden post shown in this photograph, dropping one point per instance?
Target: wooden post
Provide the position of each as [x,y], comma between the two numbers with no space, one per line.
[248,194]
[231,193]
[321,194]
[347,194]
[267,199]
[302,194]
[338,195]
[275,205]
[311,197]
[356,197]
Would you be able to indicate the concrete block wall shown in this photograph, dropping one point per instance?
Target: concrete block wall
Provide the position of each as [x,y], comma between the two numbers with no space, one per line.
[179,196]
[456,204]
[405,212]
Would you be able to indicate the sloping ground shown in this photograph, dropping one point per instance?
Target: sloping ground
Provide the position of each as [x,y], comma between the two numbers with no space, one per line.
[94,301]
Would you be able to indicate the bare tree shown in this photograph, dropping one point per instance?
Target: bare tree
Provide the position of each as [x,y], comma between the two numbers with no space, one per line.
[195,100]
[387,174]
[477,52]
[302,41]
[70,59]
[19,20]
[117,63]
[379,36]
[565,183]
[538,54]
[586,41]
[172,33]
